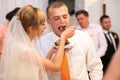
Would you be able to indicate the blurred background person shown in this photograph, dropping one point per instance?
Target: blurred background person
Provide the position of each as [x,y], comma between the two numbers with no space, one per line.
[113,70]
[10,15]
[94,30]
[2,35]
[112,40]
[3,27]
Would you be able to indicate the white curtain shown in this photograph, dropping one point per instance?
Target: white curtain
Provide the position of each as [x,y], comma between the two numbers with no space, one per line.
[8,5]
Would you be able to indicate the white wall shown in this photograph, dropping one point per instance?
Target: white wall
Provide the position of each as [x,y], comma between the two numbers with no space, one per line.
[8,5]
[79,4]
[94,7]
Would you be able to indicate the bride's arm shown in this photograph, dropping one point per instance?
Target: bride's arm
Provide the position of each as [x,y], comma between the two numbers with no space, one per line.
[54,65]
[50,53]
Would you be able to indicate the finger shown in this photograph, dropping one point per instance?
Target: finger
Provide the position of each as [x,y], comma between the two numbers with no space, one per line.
[67,49]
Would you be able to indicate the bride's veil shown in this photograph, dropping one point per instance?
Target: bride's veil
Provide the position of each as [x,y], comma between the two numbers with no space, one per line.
[19,59]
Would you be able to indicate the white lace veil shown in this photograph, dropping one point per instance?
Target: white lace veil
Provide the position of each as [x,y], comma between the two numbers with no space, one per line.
[19,59]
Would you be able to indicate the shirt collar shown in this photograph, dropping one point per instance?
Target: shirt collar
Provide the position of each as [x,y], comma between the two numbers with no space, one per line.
[89,27]
[105,31]
[55,36]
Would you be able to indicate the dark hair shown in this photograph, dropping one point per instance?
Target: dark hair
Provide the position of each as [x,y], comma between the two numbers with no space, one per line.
[12,13]
[103,17]
[84,12]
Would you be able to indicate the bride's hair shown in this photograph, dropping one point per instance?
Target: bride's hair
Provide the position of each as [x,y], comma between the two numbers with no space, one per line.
[31,16]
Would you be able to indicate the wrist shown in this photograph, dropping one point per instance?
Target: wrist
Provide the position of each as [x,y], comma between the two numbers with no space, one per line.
[62,40]
[63,37]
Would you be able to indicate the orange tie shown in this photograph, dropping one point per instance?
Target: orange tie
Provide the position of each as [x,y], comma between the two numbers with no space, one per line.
[65,73]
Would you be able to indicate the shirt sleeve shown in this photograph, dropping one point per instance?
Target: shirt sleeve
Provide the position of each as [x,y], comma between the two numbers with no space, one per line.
[102,43]
[94,64]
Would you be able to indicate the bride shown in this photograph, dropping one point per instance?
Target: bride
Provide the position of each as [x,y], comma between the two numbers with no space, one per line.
[19,60]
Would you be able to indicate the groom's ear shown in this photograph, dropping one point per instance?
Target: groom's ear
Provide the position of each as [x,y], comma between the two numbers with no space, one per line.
[48,20]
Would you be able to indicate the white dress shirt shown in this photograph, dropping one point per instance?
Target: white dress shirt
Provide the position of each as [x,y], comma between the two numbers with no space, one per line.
[96,33]
[82,57]
[113,41]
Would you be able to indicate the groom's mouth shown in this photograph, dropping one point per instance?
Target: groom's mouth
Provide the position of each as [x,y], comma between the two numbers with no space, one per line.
[62,28]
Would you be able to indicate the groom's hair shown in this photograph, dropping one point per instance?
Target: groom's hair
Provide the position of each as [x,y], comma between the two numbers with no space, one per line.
[52,5]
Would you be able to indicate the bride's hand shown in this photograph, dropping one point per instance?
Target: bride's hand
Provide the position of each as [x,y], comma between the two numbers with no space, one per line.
[69,32]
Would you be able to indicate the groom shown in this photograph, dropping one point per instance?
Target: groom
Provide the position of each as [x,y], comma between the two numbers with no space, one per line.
[82,57]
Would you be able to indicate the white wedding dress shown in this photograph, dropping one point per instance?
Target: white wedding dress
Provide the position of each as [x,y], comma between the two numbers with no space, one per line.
[19,59]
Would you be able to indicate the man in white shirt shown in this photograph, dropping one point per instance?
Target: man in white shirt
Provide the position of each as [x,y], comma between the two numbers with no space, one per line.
[94,30]
[82,56]
[112,41]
